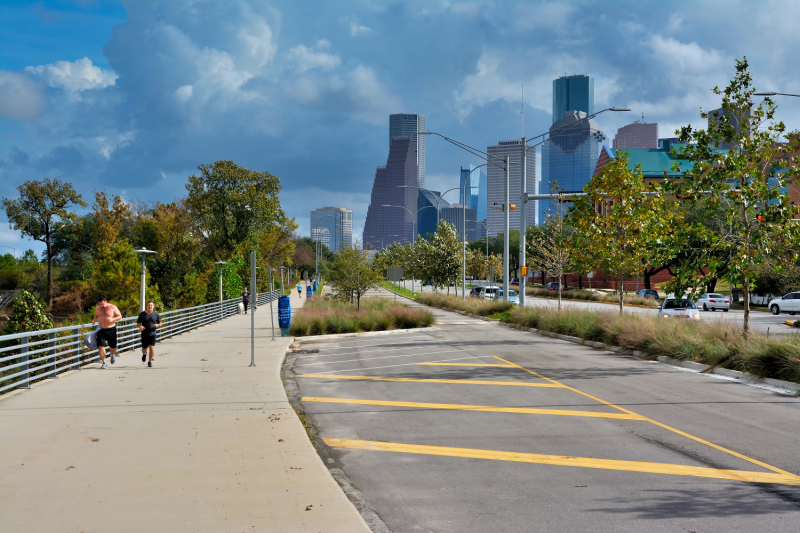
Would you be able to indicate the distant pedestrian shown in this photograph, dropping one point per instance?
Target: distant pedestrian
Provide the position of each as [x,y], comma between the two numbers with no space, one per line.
[149,321]
[245,300]
[300,290]
[106,315]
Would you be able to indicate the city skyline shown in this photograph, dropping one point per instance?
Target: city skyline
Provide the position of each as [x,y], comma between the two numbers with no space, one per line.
[131,97]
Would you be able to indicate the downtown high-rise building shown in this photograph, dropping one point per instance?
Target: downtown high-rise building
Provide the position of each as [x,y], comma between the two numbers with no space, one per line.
[407,125]
[495,185]
[392,211]
[333,227]
[572,93]
[637,135]
[569,157]
[429,206]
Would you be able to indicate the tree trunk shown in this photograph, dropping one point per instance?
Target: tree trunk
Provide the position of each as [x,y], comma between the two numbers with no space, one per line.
[646,278]
[543,283]
[358,305]
[580,281]
[49,271]
[559,292]
[746,296]
[620,295]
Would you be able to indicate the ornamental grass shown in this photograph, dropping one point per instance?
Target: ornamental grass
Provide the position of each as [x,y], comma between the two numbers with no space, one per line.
[714,343]
[471,305]
[590,296]
[322,317]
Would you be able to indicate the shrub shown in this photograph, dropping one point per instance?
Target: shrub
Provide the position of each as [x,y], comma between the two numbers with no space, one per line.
[474,306]
[320,316]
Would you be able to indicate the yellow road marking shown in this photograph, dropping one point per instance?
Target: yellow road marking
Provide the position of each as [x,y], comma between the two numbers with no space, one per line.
[460,381]
[562,460]
[482,408]
[674,430]
[465,364]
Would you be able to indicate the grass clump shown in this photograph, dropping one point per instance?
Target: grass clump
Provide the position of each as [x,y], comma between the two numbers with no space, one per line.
[717,344]
[590,296]
[473,306]
[321,317]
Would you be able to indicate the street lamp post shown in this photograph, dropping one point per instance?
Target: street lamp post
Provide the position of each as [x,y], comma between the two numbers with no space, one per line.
[220,263]
[143,252]
[317,242]
[11,248]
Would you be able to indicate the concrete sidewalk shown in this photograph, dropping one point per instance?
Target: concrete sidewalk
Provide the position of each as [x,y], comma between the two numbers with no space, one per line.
[200,442]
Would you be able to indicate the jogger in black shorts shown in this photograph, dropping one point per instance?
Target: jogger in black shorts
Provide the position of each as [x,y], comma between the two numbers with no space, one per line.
[106,315]
[149,321]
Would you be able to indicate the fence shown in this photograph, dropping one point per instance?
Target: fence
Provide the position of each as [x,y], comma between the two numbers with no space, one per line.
[36,355]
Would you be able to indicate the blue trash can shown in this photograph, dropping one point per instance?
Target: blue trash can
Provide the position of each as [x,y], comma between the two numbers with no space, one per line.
[284,312]
[308,291]
[315,286]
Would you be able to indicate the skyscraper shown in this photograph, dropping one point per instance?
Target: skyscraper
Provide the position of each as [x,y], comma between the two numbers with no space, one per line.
[573,93]
[407,125]
[455,213]
[569,157]
[718,114]
[385,225]
[495,185]
[427,204]
[637,135]
[333,226]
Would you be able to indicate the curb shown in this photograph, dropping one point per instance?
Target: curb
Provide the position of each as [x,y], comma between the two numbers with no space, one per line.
[789,322]
[364,333]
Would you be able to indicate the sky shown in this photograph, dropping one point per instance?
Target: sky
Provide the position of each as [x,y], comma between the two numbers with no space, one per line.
[130,97]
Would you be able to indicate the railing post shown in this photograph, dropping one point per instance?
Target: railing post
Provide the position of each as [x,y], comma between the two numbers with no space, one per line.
[77,341]
[53,357]
[24,356]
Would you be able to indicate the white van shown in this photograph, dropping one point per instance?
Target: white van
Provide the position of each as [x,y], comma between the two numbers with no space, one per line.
[487,293]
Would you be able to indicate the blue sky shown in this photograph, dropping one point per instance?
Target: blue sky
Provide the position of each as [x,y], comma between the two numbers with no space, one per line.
[130,97]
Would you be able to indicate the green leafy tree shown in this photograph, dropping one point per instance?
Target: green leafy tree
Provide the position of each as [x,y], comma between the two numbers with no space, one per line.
[117,276]
[750,181]
[230,205]
[439,257]
[552,247]
[41,205]
[352,275]
[617,224]
[27,314]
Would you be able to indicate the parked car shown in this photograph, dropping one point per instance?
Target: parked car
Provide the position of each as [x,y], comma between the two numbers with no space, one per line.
[514,281]
[488,293]
[475,292]
[512,296]
[789,303]
[678,308]
[648,293]
[714,301]
[554,285]
[428,282]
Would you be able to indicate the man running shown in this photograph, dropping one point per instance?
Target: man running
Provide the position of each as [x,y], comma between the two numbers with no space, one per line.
[299,290]
[148,322]
[245,300]
[106,315]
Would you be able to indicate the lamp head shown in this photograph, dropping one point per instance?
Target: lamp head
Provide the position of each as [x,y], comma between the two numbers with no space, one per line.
[617,109]
[771,93]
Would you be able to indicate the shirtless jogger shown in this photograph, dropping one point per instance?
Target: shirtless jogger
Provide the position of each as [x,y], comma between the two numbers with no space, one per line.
[106,315]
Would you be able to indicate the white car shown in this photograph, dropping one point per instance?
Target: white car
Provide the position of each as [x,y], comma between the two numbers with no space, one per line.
[678,308]
[790,303]
[713,301]
[487,293]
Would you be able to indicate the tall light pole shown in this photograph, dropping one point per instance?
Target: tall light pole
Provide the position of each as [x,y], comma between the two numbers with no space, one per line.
[317,247]
[143,252]
[220,263]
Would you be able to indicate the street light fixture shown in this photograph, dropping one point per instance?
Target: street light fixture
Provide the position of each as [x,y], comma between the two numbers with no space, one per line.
[143,252]
[773,93]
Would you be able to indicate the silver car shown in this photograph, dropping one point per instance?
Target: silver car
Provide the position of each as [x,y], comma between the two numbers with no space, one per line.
[790,303]
[713,301]
[680,308]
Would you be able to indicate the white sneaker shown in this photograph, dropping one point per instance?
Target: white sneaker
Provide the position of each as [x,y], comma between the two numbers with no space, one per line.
[104,365]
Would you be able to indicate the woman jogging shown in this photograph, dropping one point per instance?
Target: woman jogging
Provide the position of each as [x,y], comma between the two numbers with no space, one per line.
[299,290]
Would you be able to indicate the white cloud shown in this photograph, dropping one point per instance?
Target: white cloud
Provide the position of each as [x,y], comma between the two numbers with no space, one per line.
[323,44]
[73,76]
[21,97]
[305,59]
[357,29]
[371,99]
[686,58]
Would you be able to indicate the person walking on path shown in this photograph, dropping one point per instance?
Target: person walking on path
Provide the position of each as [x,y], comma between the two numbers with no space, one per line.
[300,290]
[245,300]
[149,321]
[106,315]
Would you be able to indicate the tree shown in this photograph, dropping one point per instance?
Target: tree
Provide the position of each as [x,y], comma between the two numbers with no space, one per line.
[552,247]
[303,256]
[439,258]
[73,248]
[40,206]
[231,204]
[352,275]
[749,182]
[117,277]
[27,315]
[616,224]
[110,217]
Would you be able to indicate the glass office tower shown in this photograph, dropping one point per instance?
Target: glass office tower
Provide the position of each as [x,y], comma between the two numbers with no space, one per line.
[333,226]
[407,125]
[573,93]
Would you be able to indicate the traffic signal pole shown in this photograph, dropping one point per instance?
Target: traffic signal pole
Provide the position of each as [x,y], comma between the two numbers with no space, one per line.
[523,200]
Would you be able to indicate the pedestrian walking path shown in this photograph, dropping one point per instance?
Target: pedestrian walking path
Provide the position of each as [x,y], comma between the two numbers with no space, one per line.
[201,442]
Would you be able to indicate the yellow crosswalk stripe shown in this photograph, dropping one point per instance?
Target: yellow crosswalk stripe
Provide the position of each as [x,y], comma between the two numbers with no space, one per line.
[458,381]
[563,460]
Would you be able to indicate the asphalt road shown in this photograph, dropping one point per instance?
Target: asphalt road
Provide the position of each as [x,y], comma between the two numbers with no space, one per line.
[518,432]
[759,320]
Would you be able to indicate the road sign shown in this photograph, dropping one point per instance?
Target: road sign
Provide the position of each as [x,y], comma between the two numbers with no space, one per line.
[394,273]
[590,275]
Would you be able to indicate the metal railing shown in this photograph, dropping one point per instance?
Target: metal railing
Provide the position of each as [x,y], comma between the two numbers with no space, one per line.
[36,355]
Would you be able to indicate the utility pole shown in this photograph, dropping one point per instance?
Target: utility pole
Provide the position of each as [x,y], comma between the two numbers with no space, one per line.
[252,311]
[523,199]
[507,222]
